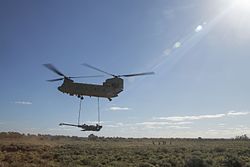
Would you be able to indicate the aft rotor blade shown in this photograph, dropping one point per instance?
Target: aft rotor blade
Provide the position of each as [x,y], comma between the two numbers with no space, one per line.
[97,69]
[53,80]
[54,69]
[138,74]
[91,76]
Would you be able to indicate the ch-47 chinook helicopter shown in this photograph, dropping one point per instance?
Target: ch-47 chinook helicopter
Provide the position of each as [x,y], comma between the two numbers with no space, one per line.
[109,89]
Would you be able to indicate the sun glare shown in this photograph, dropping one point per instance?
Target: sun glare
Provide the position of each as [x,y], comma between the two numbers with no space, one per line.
[237,19]
[242,4]
[240,11]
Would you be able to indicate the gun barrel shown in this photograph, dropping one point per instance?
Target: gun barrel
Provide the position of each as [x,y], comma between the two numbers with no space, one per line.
[61,124]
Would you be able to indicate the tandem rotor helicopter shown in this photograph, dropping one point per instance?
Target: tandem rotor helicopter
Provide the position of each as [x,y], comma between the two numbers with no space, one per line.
[109,89]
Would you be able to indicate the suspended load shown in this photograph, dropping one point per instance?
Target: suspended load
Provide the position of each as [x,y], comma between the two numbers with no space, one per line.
[86,127]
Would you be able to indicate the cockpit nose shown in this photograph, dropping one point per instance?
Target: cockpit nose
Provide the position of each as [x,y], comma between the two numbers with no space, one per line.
[60,88]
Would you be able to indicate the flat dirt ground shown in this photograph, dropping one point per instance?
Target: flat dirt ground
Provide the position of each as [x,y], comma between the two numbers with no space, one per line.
[45,150]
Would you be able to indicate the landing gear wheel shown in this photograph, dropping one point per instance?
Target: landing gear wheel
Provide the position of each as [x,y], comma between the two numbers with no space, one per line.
[80,97]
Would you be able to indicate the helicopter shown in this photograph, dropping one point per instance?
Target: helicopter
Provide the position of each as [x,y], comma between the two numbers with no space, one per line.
[110,88]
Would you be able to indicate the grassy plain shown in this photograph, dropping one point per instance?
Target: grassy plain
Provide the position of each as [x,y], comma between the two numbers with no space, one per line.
[45,150]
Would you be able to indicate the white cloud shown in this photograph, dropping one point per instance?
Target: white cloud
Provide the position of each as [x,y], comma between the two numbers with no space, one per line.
[119,108]
[117,124]
[228,132]
[120,124]
[179,127]
[184,118]
[153,123]
[95,122]
[112,126]
[198,117]
[164,123]
[198,28]
[234,113]
[181,123]
[23,102]
[141,126]
[222,124]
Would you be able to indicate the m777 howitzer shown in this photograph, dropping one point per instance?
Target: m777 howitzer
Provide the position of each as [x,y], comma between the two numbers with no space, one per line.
[85,127]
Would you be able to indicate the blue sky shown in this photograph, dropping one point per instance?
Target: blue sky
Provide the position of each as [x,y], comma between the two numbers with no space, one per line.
[199,51]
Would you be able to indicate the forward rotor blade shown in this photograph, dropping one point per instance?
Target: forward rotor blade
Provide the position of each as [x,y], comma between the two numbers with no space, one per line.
[53,68]
[97,69]
[91,76]
[138,74]
[59,79]
[53,80]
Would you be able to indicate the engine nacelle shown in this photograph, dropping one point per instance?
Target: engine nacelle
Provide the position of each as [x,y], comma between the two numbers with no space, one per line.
[116,83]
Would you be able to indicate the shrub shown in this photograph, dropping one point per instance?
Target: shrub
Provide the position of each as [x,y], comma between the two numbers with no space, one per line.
[195,161]
[219,149]
[232,161]
[145,164]
[242,137]
[85,161]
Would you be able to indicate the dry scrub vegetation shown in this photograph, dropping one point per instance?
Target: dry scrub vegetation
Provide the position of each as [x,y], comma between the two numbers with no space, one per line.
[45,150]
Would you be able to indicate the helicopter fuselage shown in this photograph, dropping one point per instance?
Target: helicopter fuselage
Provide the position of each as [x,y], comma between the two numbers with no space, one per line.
[109,89]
